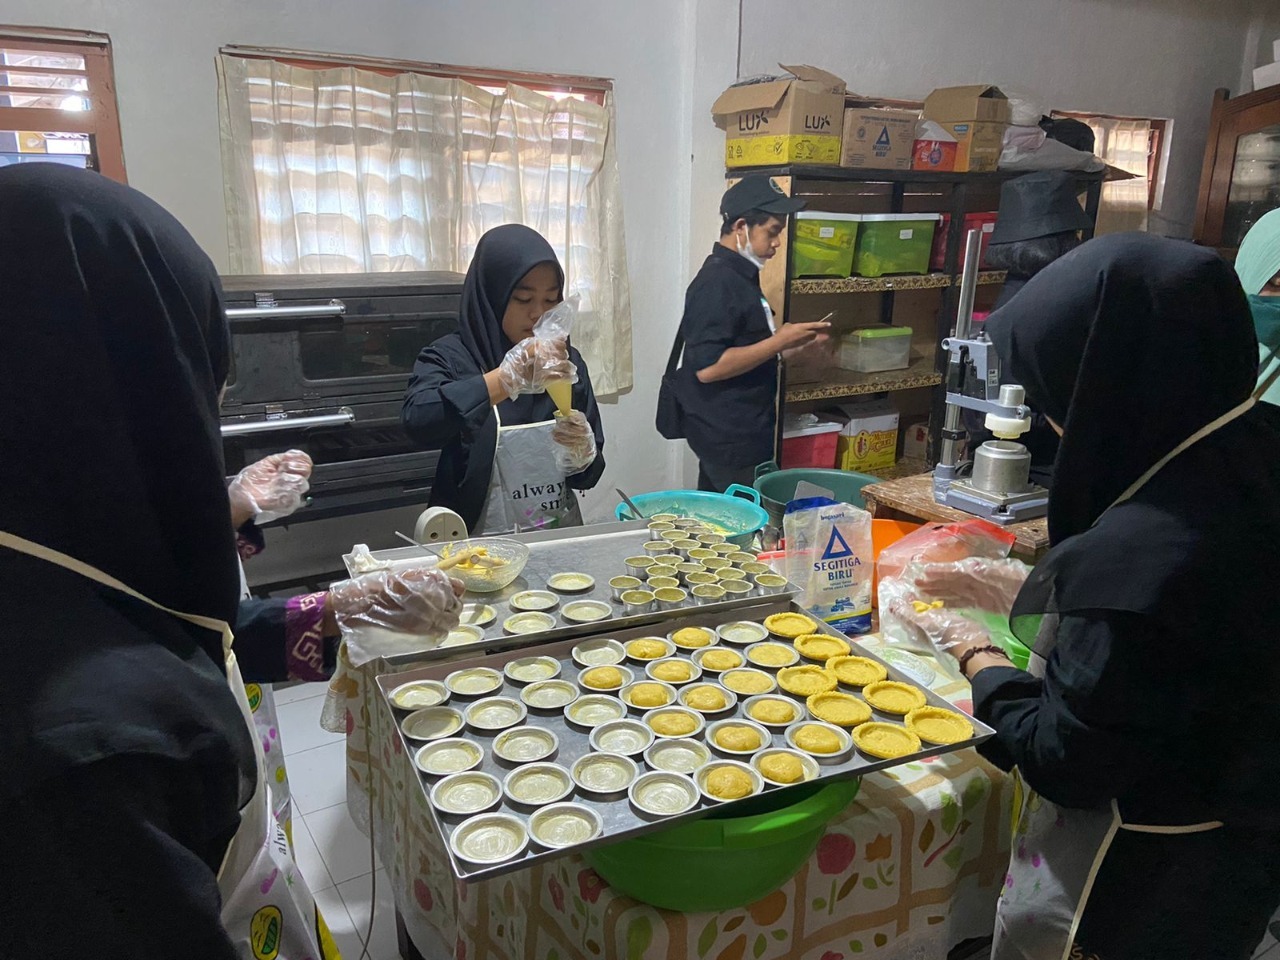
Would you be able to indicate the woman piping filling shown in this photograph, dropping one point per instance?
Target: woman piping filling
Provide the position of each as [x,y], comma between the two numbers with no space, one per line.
[1145,733]
[507,462]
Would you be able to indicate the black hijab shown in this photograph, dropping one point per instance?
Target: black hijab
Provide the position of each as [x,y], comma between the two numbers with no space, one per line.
[114,347]
[1132,343]
[502,258]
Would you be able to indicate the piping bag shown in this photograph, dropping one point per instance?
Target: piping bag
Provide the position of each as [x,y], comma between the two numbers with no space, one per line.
[556,324]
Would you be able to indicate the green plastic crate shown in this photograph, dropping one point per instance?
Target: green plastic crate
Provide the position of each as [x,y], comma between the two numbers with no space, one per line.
[891,243]
[824,244]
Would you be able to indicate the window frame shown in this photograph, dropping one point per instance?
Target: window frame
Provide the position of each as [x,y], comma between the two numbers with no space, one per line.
[101,122]
[554,85]
[1157,144]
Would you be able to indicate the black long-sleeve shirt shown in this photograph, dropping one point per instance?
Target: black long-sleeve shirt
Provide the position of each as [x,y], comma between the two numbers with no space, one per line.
[447,407]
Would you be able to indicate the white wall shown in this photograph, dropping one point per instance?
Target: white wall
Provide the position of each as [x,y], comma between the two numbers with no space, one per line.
[670,58]
[167,91]
[1153,58]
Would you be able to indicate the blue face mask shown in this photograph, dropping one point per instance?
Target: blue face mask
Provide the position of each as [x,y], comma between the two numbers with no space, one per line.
[1266,319]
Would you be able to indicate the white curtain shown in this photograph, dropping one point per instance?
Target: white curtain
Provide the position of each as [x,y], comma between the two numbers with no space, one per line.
[343,170]
[1124,144]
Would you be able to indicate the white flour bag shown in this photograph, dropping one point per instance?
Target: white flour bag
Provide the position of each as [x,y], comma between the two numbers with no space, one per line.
[831,560]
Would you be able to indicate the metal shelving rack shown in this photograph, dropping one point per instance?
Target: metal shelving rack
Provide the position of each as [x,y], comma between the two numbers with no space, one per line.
[927,372]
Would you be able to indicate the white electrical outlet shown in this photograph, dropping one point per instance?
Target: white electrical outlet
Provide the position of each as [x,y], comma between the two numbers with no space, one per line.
[439,525]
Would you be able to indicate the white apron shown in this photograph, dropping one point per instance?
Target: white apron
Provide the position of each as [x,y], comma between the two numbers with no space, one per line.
[527,490]
[1057,852]
[267,907]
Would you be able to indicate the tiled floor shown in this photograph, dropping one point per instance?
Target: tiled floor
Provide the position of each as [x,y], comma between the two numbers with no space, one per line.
[332,854]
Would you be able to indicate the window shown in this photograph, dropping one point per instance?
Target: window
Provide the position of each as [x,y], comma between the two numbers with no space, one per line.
[58,100]
[1136,145]
[336,165]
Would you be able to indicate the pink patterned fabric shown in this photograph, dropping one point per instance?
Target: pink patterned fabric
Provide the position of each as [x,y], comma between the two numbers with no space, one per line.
[304,637]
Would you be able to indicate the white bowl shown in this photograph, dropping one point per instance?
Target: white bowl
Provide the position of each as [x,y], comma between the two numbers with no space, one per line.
[677,756]
[628,738]
[432,723]
[465,794]
[846,741]
[593,709]
[663,794]
[441,758]
[495,713]
[604,774]
[492,838]
[599,653]
[809,764]
[537,784]
[766,737]
[741,633]
[562,825]
[417,694]
[701,774]
[473,682]
[549,695]
[525,744]
[532,669]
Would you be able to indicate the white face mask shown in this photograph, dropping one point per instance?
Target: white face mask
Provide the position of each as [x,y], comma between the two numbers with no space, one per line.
[744,248]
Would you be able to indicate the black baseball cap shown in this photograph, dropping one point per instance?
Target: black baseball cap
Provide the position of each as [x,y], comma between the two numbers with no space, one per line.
[757,193]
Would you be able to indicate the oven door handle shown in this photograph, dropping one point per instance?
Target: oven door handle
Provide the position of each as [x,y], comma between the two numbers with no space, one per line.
[334,308]
[344,416]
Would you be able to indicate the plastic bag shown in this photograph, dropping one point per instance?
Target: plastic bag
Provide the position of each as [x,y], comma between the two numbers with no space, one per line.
[556,324]
[831,559]
[945,543]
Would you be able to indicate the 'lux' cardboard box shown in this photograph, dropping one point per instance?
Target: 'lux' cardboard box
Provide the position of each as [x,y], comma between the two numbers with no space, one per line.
[877,138]
[793,119]
[977,116]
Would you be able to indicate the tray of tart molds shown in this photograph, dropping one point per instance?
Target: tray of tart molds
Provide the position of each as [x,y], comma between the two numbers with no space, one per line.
[584,580]
[527,753]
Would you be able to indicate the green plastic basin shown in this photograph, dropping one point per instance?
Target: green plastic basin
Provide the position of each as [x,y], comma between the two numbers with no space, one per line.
[778,487]
[722,862]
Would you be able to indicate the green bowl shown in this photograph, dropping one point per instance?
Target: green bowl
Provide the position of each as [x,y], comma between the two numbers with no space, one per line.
[725,861]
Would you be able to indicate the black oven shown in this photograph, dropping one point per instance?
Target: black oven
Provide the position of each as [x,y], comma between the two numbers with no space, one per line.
[320,363]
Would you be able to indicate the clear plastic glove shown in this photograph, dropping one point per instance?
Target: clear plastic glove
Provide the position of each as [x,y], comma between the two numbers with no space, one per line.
[938,628]
[422,602]
[990,585]
[532,362]
[271,488]
[575,443]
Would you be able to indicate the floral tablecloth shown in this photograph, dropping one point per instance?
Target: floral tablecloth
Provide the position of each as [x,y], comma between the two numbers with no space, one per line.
[912,867]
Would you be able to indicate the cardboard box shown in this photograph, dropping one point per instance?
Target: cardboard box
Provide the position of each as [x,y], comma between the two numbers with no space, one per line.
[877,138]
[869,439]
[977,116]
[795,119]
[915,440]
[937,155]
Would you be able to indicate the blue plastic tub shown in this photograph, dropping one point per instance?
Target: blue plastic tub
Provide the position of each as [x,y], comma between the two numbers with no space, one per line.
[736,513]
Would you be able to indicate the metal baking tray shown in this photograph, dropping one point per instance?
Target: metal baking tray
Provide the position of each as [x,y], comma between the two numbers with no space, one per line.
[596,549]
[620,819]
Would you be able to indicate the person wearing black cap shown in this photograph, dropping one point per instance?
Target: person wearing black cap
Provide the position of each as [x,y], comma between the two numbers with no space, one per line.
[726,388]
[1040,220]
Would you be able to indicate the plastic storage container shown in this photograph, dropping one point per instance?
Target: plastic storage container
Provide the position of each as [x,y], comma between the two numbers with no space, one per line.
[810,444]
[986,222]
[823,244]
[893,243]
[873,349]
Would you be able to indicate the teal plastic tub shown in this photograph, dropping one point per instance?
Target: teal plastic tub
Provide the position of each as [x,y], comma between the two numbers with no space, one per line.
[823,243]
[723,861]
[891,243]
[736,513]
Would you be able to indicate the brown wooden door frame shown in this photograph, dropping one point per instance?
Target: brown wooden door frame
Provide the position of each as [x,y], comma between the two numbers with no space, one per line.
[1229,119]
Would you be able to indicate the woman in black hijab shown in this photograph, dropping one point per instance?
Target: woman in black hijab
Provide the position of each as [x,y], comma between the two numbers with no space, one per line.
[491,377]
[126,758]
[1147,732]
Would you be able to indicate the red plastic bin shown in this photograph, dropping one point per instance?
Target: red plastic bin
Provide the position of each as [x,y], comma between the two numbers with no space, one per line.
[811,446]
[986,222]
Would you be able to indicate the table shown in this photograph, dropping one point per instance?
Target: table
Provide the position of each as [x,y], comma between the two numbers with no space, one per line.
[911,498]
[912,867]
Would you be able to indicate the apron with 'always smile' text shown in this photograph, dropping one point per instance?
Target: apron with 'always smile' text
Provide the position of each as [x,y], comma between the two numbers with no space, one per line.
[527,490]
